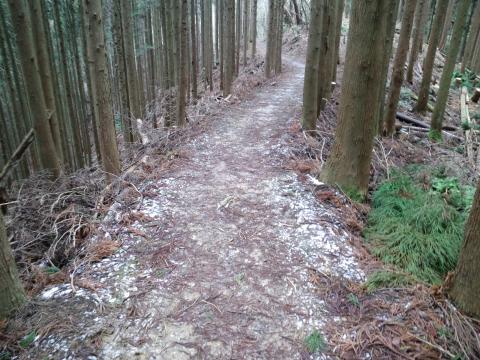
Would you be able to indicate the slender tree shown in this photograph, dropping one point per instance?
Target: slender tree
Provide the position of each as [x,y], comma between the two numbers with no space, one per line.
[442,96]
[399,66]
[350,158]
[438,20]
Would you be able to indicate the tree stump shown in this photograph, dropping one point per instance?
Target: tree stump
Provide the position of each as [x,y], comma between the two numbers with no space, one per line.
[476,95]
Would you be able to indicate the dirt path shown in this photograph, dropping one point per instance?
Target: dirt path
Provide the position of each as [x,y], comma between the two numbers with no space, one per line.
[223,272]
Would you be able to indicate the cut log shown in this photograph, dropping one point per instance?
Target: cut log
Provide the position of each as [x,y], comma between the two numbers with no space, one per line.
[476,95]
[429,104]
[17,154]
[409,120]
[142,132]
[465,118]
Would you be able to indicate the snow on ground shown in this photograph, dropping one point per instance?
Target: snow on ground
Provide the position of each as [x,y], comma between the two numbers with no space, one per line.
[223,269]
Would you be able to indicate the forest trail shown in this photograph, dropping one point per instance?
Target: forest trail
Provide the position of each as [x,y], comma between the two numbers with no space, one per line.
[223,271]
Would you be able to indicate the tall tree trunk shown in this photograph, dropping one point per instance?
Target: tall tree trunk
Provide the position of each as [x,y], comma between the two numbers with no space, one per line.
[45,72]
[416,37]
[271,39]
[25,42]
[323,71]
[96,41]
[466,282]
[399,66]
[150,56]
[130,64]
[472,39]
[208,42]
[238,35]
[447,24]
[229,46]
[428,63]
[349,163]
[298,16]
[310,86]
[12,295]
[120,64]
[246,8]
[72,119]
[253,28]
[279,37]
[183,63]
[193,34]
[445,81]
[338,33]
[391,23]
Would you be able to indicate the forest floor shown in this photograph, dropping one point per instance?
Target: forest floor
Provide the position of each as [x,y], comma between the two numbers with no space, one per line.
[232,249]
[217,260]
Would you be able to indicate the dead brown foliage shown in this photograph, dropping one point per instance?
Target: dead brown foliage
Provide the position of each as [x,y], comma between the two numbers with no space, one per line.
[410,323]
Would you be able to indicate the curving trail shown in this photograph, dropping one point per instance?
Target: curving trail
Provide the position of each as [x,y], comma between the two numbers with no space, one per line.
[223,272]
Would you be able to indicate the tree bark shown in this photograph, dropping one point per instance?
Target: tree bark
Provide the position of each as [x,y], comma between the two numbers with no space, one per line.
[349,163]
[428,63]
[12,295]
[442,96]
[466,282]
[399,66]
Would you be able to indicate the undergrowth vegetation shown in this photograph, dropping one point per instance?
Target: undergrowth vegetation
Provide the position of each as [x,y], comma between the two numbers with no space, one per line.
[416,225]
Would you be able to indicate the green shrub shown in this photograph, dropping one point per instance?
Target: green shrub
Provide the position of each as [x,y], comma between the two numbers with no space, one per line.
[417,222]
[315,342]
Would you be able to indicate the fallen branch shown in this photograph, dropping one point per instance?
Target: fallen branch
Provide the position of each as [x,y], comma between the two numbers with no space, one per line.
[17,154]
[409,120]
